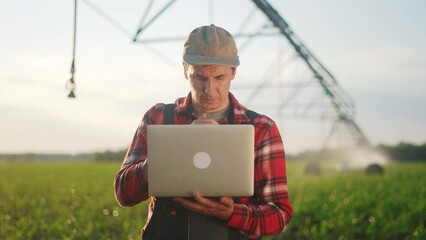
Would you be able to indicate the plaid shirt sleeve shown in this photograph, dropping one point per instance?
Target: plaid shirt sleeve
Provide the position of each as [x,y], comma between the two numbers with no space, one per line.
[269,210]
[131,182]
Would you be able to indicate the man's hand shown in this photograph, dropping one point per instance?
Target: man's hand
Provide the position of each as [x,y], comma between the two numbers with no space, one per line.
[203,119]
[221,208]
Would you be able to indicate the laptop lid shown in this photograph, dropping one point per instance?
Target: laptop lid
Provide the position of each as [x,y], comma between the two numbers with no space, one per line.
[213,160]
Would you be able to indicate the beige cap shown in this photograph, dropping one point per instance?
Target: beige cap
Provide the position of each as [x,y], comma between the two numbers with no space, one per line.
[210,45]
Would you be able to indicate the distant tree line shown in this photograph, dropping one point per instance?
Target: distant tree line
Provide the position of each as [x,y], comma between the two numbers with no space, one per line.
[33,157]
[400,152]
[405,152]
[109,156]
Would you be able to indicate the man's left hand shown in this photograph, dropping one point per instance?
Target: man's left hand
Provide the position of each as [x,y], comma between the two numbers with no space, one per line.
[221,208]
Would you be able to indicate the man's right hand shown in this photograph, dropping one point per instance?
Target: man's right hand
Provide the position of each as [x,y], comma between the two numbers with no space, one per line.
[204,120]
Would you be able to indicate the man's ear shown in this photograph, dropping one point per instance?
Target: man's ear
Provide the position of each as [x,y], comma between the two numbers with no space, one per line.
[185,70]
[234,72]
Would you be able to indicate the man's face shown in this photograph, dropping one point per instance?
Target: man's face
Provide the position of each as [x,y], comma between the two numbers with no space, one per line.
[209,86]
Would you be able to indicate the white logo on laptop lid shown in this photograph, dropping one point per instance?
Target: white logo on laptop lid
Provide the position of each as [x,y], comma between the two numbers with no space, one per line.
[202,160]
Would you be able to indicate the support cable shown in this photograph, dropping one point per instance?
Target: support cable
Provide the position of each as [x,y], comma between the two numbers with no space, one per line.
[251,36]
[127,32]
[107,17]
[268,77]
[141,28]
[144,16]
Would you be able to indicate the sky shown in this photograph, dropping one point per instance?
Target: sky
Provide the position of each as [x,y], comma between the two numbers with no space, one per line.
[375,49]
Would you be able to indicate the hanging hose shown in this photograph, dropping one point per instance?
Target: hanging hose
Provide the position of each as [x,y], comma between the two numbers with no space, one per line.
[71,84]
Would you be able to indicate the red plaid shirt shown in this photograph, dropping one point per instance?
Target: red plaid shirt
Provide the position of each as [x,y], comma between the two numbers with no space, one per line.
[267,212]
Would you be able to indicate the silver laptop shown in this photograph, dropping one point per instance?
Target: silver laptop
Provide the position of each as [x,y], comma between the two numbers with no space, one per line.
[213,160]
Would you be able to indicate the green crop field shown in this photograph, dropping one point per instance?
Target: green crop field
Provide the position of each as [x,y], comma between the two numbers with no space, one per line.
[75,201]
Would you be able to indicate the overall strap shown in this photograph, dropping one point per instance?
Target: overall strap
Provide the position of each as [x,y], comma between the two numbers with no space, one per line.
[169,113]
[251,115]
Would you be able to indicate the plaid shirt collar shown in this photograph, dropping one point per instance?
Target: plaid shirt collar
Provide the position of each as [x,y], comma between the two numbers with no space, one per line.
[236,116]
